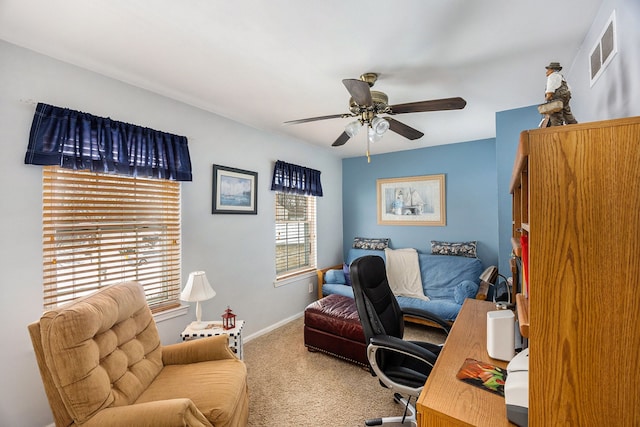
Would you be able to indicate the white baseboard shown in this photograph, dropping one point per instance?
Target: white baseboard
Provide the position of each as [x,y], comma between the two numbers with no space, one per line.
[272,327]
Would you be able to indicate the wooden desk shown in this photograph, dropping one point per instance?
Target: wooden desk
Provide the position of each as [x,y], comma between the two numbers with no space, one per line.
[447,401]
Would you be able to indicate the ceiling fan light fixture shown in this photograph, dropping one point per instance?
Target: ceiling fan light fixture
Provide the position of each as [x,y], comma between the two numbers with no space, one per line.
[373,136]
[379,125]
[353,128]
[366,104]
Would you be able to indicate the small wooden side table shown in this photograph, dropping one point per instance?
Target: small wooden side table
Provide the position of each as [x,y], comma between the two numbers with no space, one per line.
[215,328]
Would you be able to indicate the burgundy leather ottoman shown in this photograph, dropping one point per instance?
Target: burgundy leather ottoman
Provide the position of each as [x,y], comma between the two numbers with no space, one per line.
[332,325]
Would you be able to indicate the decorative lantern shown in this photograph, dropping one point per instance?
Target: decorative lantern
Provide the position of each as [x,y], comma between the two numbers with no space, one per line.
[228,319]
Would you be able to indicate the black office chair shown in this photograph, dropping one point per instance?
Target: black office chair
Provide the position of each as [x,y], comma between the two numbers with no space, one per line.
[400,365]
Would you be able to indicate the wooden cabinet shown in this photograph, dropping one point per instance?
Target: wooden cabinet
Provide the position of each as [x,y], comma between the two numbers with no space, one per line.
[520,224]
[576,193]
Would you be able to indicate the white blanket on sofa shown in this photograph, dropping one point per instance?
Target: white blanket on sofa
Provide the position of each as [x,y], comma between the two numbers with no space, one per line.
[403,273]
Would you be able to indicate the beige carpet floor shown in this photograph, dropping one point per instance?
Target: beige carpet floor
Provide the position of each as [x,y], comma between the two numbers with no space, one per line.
[290,386]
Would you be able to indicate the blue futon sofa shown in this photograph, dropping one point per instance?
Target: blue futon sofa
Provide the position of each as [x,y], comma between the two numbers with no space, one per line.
[446,280]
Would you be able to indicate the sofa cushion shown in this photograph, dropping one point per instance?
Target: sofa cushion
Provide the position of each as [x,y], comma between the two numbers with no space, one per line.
[335,276]
[216,387]
[333,288]
[403,273]
[465,289]
[445,309]
[357,253]
[441,274]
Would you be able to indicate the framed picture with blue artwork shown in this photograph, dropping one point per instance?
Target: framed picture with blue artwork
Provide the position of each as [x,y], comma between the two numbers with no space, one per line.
[413,200]
[235,191]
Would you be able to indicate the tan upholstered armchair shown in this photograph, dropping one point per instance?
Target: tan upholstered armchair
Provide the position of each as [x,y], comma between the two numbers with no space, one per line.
[102,364]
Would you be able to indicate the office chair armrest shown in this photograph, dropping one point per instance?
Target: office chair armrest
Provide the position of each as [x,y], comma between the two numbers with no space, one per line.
[390,343]
[404,378]
[427,315]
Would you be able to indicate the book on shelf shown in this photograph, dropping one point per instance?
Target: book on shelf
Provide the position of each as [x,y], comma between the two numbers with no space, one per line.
[524,244]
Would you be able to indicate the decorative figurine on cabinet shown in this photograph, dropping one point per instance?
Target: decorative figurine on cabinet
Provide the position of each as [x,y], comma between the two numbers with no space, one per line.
[228,319]
[557,95]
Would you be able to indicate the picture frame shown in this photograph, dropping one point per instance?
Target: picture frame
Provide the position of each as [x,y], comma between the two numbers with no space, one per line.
[235,191]
[414,200]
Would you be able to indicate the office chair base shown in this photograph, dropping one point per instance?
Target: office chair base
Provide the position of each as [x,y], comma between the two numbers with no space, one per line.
[409,419]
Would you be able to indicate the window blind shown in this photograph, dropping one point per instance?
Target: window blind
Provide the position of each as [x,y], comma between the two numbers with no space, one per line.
[101,229]
[295,234]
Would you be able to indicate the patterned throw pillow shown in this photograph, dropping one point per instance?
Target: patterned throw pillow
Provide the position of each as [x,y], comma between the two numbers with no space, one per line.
[465,249]
[370,243]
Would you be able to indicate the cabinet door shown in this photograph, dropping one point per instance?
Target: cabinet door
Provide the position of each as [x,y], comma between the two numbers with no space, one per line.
[584,271]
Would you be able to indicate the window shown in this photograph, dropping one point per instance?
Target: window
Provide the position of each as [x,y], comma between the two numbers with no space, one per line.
[103,229]
[295,234]
[296,190]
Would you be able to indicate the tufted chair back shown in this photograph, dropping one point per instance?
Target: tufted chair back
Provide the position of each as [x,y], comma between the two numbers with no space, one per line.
[99,351]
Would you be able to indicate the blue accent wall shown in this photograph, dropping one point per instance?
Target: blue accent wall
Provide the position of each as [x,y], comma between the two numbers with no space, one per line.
[471,196]
[509,124]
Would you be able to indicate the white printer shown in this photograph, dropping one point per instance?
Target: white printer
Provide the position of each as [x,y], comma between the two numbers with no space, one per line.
[516,389]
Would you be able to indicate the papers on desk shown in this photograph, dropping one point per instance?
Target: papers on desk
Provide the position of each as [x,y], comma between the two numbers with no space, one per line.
[215,325]
[484,375]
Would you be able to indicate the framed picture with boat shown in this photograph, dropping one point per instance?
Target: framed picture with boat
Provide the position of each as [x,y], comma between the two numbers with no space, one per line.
[414,200]
[235,191]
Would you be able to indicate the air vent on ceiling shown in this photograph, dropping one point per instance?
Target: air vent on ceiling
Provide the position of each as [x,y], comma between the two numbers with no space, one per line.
[605,49]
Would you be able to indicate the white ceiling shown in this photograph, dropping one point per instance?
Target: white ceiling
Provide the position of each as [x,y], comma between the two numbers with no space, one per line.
[264,62]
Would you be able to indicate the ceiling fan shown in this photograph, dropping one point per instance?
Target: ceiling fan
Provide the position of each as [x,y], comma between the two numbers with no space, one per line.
[367,104]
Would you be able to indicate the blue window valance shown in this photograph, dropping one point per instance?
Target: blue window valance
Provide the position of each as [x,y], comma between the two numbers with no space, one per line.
[76,140]
[290,178]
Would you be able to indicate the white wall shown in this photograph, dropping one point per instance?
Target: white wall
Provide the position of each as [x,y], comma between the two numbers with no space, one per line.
[236,251]
[615,93]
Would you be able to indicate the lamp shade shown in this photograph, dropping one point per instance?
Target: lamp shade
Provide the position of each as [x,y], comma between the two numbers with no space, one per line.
[197,288]
[373,135]
[352,128]
[379,125]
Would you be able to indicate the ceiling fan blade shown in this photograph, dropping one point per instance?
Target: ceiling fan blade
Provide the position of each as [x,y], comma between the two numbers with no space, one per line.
[404,130]
[433,105]
[342,139]
[313,119]
[359,91]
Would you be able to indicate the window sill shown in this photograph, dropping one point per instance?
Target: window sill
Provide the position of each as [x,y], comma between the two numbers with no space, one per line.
[170,314]
[295,278]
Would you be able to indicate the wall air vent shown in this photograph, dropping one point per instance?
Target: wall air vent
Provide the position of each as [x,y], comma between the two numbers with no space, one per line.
[604,50]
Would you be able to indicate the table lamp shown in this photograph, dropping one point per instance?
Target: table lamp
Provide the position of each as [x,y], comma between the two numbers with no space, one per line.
[197,289]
